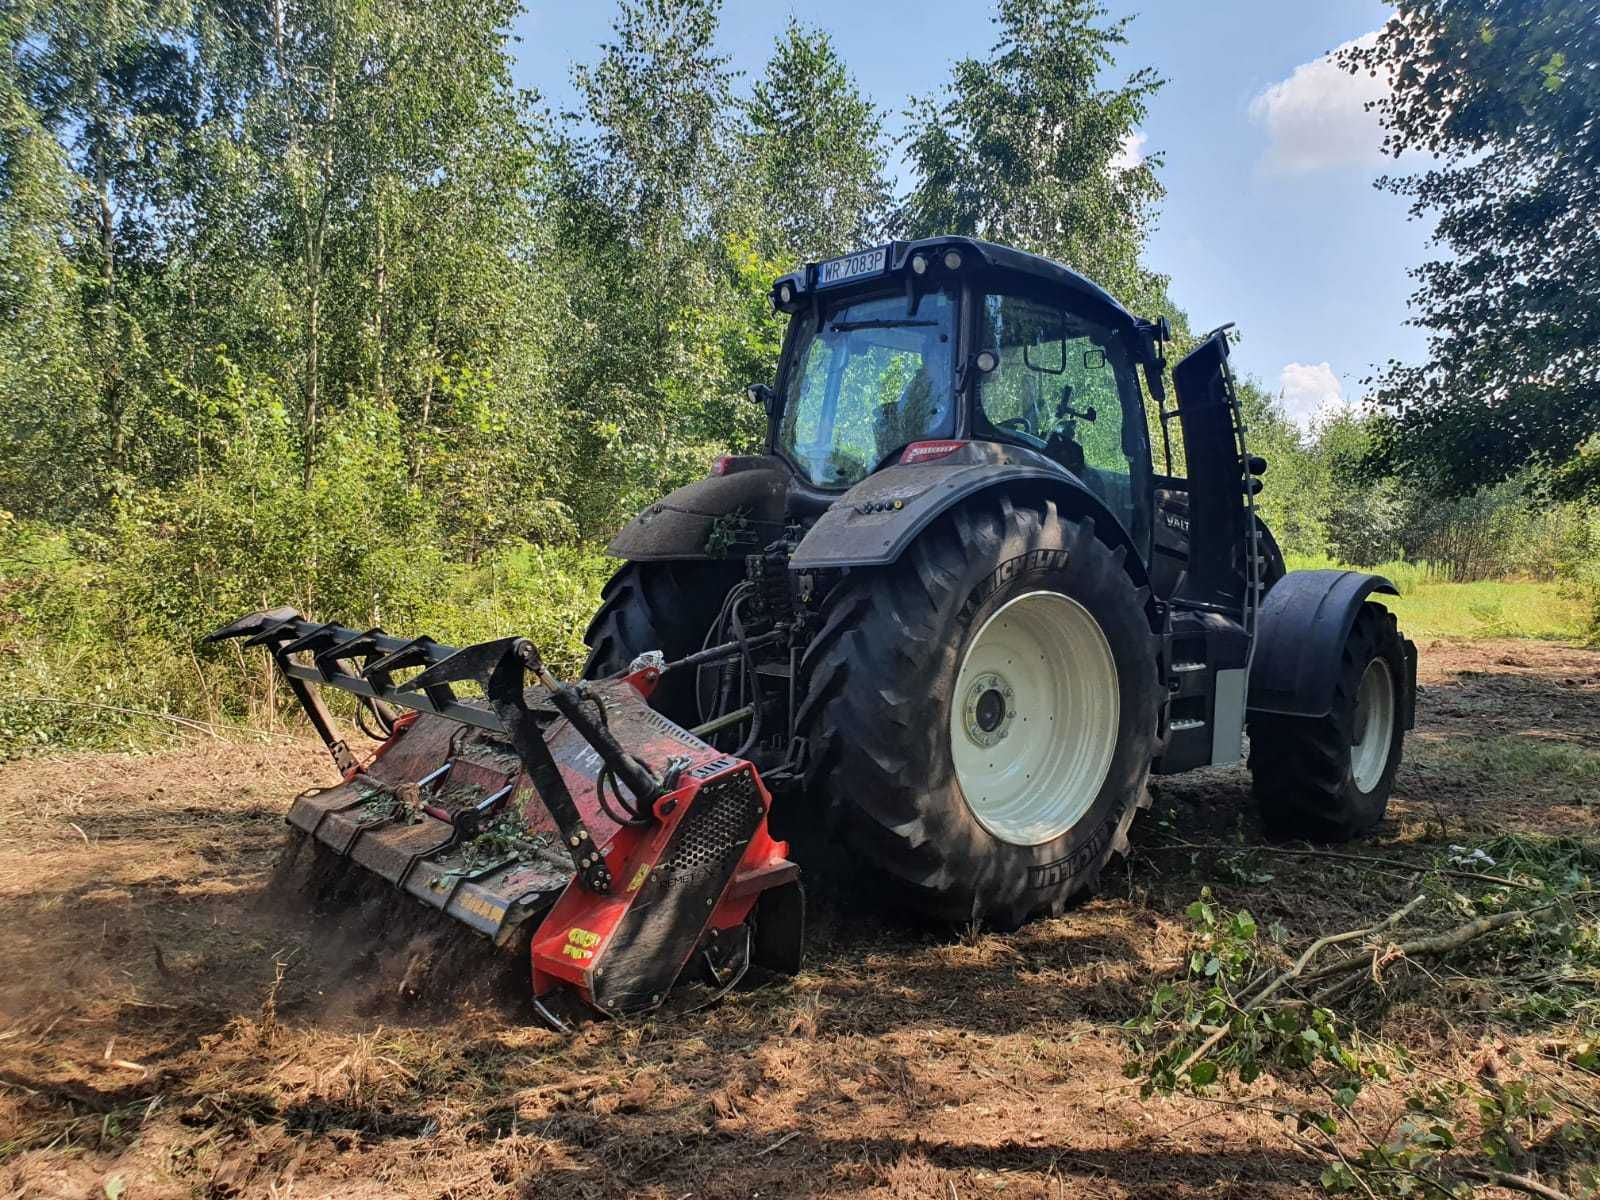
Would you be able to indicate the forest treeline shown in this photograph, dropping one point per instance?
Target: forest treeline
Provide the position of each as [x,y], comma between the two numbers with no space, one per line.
[305,301]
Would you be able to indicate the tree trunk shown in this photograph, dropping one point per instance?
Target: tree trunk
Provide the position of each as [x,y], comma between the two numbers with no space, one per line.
[112,399]
[380,280]
[308,422]
[420,438]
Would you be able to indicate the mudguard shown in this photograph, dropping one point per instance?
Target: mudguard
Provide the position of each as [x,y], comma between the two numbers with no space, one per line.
[1305,620]
[748,499]
[872,524]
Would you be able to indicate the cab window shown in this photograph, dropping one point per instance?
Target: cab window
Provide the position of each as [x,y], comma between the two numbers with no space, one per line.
[870,377]
[1065,385]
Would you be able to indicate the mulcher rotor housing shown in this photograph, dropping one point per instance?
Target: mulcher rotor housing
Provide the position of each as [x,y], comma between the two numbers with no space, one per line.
[949,622]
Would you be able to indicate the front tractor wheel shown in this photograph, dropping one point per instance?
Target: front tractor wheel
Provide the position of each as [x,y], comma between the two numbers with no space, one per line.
[665,606]
[981,716]
[1327,779]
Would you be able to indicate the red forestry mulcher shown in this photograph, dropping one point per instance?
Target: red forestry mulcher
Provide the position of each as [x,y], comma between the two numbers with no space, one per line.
[953,618]
[521,807]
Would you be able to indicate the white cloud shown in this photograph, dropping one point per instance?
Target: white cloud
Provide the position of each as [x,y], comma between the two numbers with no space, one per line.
[1310,392]
[1132,152]
[1317,118]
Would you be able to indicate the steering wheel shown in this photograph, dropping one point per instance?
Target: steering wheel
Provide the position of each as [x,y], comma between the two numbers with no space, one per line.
[1017,425]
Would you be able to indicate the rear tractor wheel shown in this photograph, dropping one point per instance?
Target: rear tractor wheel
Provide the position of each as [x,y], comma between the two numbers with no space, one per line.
[1327,779]
[981,716]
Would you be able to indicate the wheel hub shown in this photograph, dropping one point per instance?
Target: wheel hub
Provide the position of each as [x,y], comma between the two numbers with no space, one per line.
[989,709]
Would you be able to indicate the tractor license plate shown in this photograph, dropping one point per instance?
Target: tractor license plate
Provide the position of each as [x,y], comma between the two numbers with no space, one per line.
[852,266]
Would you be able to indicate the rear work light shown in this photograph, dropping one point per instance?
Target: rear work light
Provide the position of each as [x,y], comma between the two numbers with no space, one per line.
[922,452]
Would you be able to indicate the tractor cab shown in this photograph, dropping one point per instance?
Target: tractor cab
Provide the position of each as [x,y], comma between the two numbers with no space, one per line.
[914,348]
[920,351]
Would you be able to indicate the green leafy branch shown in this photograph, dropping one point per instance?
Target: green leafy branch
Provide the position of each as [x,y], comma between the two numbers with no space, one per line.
[1246,1006]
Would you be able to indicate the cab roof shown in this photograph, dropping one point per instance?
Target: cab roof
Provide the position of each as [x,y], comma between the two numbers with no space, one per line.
[808,280]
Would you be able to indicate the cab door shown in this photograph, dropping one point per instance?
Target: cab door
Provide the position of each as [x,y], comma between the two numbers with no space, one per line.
[1210,627]
[1208,412]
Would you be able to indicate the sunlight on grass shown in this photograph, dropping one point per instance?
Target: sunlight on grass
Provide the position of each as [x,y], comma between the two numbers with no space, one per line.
[1492,608]
[1429,607]
[1515,759]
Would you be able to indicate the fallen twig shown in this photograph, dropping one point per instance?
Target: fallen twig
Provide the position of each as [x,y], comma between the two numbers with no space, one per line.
[784,1140]
[1439,943]
[1517,1183]
[122,1064]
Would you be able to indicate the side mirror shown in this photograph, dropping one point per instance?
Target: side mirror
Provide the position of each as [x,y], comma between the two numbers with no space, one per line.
[772,405]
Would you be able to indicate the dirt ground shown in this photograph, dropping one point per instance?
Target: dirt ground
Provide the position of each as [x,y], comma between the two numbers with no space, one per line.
[173,1025]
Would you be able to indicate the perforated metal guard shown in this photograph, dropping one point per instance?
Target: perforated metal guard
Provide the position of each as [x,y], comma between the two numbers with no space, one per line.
[718,825]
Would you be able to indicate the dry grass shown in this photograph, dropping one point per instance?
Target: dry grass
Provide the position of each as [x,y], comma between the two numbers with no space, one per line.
[170,1021]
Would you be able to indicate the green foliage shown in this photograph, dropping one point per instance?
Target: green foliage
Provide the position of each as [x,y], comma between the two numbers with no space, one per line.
[811,153]
[1529,564]
[666,238]
[1244,1008]
[311,304]
[1504,96]
[99,645]
[1227,952]
[1022,147]
[1431,606]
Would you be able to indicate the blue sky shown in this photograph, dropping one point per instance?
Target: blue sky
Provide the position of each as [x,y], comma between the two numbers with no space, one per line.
[1270,220]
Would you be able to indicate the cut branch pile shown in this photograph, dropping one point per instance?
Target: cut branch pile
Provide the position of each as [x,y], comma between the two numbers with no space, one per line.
[1245,1008]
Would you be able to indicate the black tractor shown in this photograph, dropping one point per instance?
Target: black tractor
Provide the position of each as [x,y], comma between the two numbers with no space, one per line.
[972,617]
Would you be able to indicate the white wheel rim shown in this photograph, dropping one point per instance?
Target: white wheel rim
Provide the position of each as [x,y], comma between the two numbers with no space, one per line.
[1374,725]
[1033,722]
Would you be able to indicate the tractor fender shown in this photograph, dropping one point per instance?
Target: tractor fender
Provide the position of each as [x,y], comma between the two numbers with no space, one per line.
[729,514]
[1305,621]
[872,524]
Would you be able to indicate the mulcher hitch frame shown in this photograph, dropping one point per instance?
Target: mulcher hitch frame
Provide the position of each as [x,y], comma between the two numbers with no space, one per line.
[691,877]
